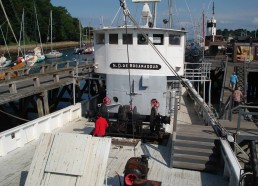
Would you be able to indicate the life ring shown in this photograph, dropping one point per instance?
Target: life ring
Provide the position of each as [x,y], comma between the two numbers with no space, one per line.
[106,100]
[155,103]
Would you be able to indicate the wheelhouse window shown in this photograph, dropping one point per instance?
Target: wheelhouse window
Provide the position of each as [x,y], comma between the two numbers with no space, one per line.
[141,40]
[128,39]
[174,39]
[113,38]
[100,38]
[158,39]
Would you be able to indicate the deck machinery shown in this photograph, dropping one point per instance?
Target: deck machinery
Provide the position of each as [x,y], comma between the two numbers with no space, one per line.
[137,63]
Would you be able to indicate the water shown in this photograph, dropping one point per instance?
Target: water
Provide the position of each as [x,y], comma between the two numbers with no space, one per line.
[68,55]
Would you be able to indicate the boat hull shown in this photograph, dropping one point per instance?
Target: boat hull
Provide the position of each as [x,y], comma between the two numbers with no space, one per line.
[54,55]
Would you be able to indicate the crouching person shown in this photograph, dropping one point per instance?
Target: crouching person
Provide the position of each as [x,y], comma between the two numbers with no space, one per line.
[101,125]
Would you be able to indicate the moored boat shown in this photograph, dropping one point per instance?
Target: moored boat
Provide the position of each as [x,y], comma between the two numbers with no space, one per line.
[54,54]
[4,62]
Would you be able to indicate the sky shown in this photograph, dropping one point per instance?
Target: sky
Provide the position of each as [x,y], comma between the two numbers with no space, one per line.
[229,14]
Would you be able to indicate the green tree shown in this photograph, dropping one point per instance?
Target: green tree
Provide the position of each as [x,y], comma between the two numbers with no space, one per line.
[65,28]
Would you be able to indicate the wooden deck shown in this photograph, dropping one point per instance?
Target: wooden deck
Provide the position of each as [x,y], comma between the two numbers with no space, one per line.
[15,166]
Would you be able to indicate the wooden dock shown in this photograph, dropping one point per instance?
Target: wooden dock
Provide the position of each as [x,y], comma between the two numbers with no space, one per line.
[39,89]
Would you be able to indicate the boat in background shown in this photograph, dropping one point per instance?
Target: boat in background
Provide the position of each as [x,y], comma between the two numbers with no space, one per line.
[16,66]
[89,49]
[52,53]
[34,56]
[4,62]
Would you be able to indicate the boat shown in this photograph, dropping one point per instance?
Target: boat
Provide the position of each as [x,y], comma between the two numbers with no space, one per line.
[146,101]
[16,66]
[89,47]
[4,62]
[80,49]
[52,53]
[88,50]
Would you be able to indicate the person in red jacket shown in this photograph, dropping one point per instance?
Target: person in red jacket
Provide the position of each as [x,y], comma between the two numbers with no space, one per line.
[101,125]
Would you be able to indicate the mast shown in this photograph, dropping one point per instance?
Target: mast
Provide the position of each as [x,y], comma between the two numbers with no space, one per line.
[203,32]
[8,21]
[38,29]
[80,28]
[211,24]
[23,31]
[170,13]
[51,29]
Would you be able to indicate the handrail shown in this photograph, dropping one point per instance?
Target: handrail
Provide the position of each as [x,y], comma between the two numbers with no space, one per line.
[243,106]
[231,167]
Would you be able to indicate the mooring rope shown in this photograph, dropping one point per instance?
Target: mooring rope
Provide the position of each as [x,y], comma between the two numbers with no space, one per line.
[14,116]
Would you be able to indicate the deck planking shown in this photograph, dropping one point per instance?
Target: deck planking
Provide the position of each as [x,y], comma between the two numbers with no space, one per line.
[158,163]
[159,159]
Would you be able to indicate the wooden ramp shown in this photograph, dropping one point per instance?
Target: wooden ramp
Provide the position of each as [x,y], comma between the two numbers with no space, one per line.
[69,159]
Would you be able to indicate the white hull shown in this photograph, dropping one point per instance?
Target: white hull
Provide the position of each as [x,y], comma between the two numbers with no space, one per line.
[54,54]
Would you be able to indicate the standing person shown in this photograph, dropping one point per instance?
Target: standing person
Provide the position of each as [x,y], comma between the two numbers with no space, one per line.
[101,125]
[233,81]
[237,95]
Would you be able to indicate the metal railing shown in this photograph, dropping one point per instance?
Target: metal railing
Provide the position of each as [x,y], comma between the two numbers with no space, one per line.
[231,165]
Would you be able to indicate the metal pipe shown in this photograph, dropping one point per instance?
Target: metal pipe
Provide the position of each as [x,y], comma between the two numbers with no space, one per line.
[223,84]
[254,162]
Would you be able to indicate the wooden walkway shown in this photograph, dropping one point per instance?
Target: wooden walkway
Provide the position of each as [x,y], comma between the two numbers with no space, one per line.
[248,130]
[193,142]
[48,78]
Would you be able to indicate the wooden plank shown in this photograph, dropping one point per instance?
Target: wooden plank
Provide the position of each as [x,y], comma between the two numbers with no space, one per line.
[60,180]
[68,154]
[39,160]
[94,172]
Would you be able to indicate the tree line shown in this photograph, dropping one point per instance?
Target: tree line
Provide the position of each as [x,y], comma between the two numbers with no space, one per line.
[238,33]
[37,14]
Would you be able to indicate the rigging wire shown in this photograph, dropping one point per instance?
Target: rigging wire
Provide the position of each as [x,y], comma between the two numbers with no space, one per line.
[38,27]
[5,42]
[8,22]
[115,16]
[15,12]
[122,4]
[178,15]
[129,79]
[191,18]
